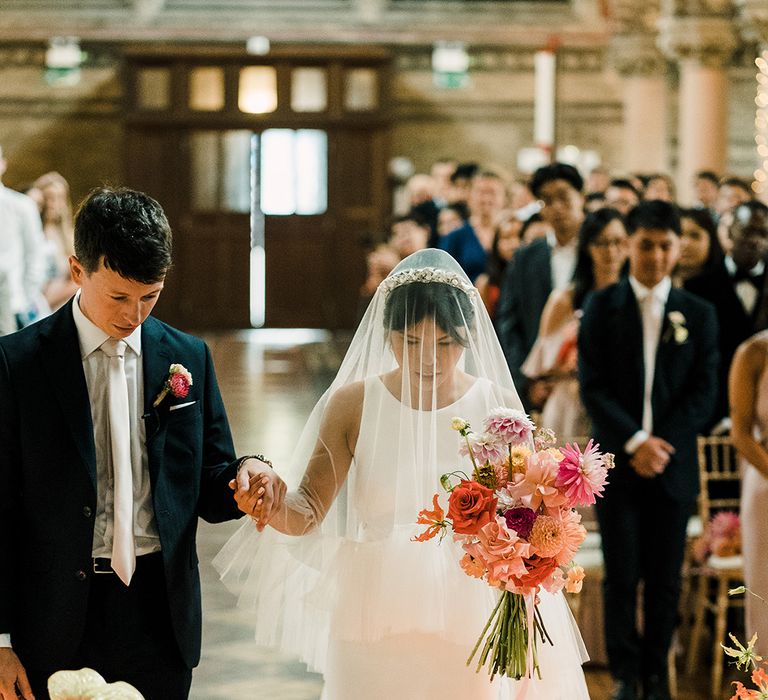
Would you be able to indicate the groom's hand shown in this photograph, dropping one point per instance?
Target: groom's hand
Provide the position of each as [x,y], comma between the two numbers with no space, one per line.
[652,457]
[259,492]
[13,675]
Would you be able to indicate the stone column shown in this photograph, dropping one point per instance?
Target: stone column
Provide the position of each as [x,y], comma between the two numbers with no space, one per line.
[703,46]
[644,96]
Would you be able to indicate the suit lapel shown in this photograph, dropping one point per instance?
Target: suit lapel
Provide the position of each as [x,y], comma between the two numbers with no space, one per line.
[61,360]
[630,327]
[156,359]
[665,354]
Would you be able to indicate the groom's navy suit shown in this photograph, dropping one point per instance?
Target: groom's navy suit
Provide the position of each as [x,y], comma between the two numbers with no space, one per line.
[643,521]
[48,485]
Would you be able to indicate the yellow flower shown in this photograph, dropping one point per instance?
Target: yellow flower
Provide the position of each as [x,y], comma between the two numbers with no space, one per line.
[556,454]
[518,459]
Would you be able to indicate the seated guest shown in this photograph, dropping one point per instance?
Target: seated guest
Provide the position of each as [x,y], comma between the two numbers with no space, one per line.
[622,196]
[408,234]
[534,227]
[705,187]
[659,186]
[451,217]
[731,192]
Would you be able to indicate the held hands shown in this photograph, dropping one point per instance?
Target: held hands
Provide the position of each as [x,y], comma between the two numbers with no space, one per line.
[652,457]
[259,492]
[13,676]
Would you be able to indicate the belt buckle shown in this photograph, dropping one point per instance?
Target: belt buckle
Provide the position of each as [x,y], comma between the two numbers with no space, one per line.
[101,565]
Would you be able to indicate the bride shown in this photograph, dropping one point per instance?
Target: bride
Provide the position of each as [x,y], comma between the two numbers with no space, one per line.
[335,577]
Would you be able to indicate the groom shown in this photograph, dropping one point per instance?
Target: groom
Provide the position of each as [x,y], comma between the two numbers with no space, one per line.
[648,374]
[103,473]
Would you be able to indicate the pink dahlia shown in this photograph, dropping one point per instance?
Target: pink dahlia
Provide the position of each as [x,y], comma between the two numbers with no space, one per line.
[512,427]
[485,447]
[573,535]
[179,385]
[582,476]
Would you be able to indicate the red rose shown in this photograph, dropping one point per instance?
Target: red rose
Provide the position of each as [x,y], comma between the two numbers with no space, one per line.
[538,570]
[470,507]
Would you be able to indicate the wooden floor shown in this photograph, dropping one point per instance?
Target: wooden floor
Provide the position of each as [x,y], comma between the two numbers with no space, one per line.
[270,381]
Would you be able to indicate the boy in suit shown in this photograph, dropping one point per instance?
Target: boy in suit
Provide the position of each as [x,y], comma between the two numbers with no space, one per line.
[113,440]
[648,374]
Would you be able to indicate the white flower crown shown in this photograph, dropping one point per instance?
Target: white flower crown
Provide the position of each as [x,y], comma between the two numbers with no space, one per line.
[425,274]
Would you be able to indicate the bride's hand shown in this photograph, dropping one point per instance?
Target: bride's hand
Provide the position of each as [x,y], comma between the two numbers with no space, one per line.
[258,492]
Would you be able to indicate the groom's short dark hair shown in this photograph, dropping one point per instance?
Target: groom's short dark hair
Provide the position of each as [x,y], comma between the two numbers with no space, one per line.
[126,229]
[654,214]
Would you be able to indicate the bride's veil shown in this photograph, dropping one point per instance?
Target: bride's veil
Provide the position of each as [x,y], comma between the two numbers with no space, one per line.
[425,351]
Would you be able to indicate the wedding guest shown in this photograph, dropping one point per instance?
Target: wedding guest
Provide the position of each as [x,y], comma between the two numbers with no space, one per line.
[470,244]
[705,188]
[738,289]
[441,171]
[408,234]
[461,181]
[58,228]
[622,196]
[647,356]
[505,243]
[601,256]
[537,268]
[748,391]
[594,201]
[598,180]
[22,251]
[451,217]
[535,227]
[731,192]
[98,519]
[659,186]
[700,249]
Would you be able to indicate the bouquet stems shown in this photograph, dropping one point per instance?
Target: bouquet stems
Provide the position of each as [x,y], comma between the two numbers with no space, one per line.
[506,637]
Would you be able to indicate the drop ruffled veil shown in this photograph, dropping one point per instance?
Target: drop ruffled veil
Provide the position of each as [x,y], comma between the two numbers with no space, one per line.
[354,573]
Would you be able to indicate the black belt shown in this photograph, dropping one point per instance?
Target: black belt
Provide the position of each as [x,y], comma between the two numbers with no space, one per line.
[103,565]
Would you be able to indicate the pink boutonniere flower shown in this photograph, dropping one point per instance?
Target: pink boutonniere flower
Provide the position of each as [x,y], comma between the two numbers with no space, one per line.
[177,384]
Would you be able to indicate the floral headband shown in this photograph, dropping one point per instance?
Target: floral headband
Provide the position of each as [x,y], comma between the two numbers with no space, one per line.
[425,274]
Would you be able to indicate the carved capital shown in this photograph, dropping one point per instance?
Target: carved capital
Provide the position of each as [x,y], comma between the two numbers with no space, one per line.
[636,54]
[697,8]
[709,40]
[631,17]
[753,20]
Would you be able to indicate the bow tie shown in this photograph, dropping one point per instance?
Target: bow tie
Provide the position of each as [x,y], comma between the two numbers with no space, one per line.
[742,275]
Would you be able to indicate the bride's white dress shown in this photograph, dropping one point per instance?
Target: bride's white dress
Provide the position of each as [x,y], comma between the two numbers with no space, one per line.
[383,617]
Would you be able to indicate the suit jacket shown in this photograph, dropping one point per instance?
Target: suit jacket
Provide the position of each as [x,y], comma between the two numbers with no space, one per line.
[525,288]
[736,325]
[612,378]
[48,482]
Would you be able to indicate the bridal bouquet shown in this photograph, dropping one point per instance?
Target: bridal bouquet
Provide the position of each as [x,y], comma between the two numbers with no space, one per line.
[517,526]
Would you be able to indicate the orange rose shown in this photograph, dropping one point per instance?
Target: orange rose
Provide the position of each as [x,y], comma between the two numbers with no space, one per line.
[470,507]
[538,571]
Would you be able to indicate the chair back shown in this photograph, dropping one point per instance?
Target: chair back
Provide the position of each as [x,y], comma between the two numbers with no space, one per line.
[719,476]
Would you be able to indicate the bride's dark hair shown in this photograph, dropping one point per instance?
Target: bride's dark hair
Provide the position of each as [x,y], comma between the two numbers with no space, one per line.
[410,303]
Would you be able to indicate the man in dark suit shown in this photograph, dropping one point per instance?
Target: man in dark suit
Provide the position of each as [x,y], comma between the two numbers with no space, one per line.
[113,440]
[738,289]
[536,269]
[648,374]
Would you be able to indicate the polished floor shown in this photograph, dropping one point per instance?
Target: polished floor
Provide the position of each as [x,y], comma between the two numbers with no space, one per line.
[270,380]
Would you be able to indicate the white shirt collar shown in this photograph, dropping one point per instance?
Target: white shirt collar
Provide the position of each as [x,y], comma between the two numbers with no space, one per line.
[556,245]
[730,265]
[660,291]
[91,337]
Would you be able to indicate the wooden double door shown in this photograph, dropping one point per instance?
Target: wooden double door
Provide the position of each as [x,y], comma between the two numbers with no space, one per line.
[239,261]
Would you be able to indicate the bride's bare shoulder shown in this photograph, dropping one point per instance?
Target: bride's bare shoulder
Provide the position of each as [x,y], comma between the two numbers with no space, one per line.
[347,398]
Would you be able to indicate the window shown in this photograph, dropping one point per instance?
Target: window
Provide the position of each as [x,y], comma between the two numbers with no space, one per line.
[257,93]
[206,89]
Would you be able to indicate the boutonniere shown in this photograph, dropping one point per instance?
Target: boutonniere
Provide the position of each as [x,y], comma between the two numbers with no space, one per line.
[177,384]
[677,330]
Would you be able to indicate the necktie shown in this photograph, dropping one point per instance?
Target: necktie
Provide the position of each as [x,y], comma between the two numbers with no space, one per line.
[123,550]
[650,308]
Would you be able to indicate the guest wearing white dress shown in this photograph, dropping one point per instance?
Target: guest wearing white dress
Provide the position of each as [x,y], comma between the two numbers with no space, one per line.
[748,394]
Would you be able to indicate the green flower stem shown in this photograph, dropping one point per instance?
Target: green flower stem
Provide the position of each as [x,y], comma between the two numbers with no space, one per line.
[471,454]
[485,629]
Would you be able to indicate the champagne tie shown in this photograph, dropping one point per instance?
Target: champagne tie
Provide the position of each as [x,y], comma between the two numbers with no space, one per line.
[123,548]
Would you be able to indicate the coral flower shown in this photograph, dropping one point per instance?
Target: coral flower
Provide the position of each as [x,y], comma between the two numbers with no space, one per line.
[537,485]
[472,567]
[501,550]
[435,519]
[555,582]
[538,570]
[575,579]
[511,426]
[582,476]
[573,535]
[547,536]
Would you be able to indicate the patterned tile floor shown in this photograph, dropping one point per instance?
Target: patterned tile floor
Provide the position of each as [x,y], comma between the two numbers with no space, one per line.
[270,380]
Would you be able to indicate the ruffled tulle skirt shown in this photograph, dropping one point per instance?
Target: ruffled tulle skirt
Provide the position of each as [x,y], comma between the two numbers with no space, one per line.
[385,617]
